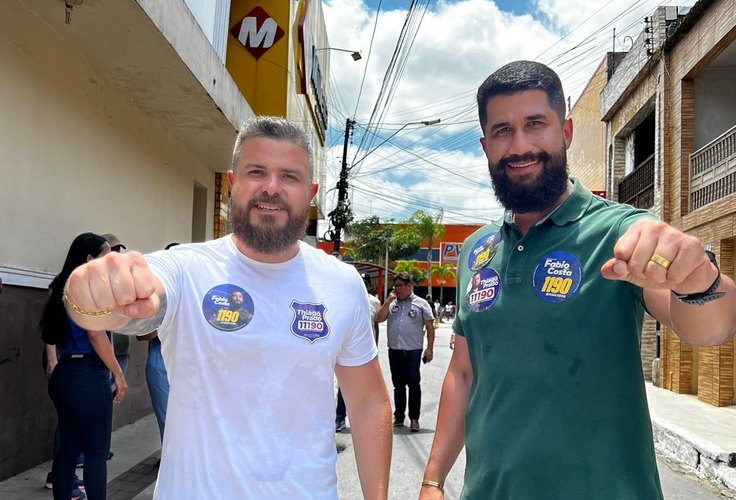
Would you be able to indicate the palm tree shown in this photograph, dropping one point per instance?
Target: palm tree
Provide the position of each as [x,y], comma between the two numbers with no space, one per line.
[444,272]
[432,230]
[417,273]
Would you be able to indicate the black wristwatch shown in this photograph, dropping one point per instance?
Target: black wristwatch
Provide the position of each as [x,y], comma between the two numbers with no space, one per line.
[698,299]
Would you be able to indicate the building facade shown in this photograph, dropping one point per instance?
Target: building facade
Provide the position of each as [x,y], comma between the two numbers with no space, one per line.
[121,116]
[670,115]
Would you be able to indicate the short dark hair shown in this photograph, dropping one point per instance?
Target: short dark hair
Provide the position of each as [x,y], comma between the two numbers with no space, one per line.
[277,128]
[403,276]
[516,77]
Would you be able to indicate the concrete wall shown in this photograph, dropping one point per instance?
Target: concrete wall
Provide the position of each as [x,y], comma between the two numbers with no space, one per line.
[586,155]
[76,156]
[715,111]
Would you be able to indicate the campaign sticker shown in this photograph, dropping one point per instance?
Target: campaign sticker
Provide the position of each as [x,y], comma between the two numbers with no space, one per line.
[412,313]
[483,251]
[483,290]
[309,321]
[557,276]
[228,307]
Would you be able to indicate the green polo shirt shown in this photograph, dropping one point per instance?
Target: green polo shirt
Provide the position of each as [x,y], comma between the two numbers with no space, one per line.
[557,407]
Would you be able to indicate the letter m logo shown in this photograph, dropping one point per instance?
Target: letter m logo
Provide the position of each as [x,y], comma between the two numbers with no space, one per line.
[257,32]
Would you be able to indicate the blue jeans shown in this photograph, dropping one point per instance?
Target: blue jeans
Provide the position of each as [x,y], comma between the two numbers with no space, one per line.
[158,383]
[80,390]
[405,372]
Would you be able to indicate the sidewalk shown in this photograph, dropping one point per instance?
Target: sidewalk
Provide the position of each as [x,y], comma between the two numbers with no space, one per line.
[130,472]
[700,437]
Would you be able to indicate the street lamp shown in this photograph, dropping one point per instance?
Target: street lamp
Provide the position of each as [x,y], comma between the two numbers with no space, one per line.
[422,122]
[353,53]
[339,216]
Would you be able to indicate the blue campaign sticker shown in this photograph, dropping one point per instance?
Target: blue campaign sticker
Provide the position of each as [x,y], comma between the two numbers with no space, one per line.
[557,276]
[309,321]
[483,290]
[228,307]
[483,251]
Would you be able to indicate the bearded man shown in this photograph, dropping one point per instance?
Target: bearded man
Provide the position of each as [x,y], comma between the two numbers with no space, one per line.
[253,328]
[545,387]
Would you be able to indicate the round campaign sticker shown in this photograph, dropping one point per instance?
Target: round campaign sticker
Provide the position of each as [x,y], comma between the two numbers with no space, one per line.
[483,290]
[557,276]
[483,251]
[227,307]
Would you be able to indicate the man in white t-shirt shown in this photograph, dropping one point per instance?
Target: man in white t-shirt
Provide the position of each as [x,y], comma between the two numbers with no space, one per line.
[253,328]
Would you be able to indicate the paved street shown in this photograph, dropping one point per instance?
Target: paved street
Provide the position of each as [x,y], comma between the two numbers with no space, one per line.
[132,470]
[411,450]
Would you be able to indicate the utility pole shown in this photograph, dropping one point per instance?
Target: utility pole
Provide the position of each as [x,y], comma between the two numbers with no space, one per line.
[339,216]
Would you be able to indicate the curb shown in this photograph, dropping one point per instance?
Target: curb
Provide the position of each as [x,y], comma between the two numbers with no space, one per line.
[701,457]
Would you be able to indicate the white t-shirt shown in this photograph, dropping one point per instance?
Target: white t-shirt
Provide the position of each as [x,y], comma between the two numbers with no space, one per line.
[250,349]
[374,305]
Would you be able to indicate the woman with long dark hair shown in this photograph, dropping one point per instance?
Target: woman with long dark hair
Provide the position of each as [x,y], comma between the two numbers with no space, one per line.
[80,384]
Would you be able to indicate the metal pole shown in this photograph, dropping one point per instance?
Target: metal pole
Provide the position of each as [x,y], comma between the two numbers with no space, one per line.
[385,273]
[339,215]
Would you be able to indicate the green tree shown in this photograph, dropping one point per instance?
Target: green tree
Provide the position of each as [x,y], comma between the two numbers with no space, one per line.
[444,273]
[417,273]
[432,230]
[366,240]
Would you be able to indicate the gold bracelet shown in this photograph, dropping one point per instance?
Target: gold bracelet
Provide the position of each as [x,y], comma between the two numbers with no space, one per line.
[434,484]
[79,310]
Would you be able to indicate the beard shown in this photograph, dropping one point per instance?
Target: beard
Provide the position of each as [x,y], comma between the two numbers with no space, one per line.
[530,194]
[268,237]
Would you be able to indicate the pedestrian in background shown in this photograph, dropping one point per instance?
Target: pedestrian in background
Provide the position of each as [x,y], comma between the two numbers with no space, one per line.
[408,317]
[157,379]
[373,304]
[80,382]
[545,385]
[251,396]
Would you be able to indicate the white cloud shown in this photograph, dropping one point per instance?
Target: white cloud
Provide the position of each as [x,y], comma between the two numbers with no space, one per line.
[458,45]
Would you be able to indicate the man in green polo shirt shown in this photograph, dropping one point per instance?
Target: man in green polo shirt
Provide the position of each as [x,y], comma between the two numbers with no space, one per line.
[545,387]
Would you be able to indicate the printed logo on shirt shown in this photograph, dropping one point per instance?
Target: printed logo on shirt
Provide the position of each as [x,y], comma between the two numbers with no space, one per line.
[483,251]
[228,307]
[483,290]
[309,321]
[557,276]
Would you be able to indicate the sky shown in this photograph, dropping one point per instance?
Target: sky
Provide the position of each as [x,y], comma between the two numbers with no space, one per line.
[397,165]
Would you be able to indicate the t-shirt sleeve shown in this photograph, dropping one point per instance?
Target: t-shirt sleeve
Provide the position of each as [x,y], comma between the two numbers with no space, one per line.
[359,346]
[427,313]
[168,269]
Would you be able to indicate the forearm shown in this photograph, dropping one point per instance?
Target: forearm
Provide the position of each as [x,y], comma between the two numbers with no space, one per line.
[712,323]
[449,438]
[372,439]
[117,320]
[51,358]
[430,336]
[104,350]
[369,410]
[382,312]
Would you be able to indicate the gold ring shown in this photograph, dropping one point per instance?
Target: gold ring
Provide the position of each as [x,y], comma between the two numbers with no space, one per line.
[658,259]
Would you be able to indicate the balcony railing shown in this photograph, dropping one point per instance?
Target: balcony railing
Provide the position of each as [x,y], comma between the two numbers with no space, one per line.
[713,170]
[637,188]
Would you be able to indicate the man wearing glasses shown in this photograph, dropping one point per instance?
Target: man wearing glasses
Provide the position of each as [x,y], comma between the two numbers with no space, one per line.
[408,317]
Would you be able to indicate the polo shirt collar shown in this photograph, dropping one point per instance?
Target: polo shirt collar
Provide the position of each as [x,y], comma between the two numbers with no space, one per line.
[572,209]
